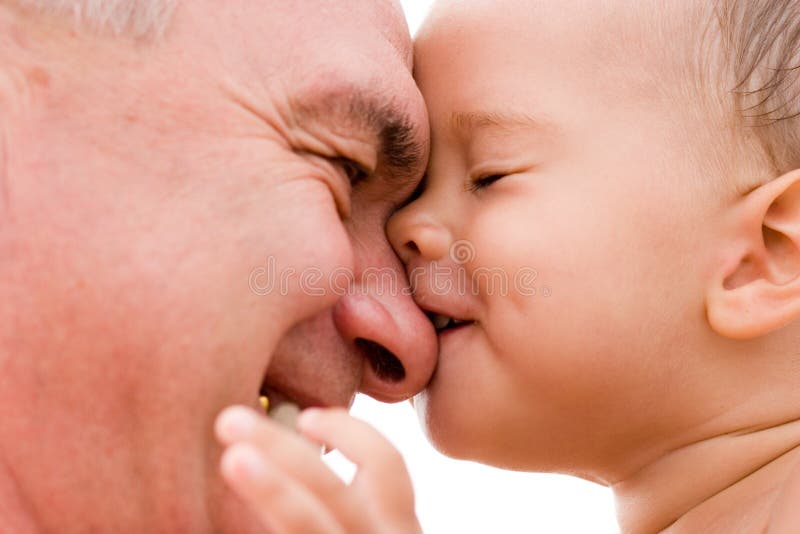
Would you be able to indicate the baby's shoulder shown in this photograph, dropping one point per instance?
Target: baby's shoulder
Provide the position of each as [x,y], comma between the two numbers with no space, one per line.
[785,516]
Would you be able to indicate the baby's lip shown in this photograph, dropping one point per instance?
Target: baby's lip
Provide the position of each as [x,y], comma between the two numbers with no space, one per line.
[439,305]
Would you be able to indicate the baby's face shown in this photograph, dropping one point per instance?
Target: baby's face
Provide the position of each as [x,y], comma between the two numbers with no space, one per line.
[560,168]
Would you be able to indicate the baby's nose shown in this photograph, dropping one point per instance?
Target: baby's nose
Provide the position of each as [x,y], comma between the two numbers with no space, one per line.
[416,234]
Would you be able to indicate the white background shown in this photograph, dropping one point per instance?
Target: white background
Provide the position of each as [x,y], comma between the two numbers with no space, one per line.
[465,498]
[455,497]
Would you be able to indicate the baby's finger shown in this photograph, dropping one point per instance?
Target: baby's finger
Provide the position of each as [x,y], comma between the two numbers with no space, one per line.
[293,454]
[381,467]
[278,501]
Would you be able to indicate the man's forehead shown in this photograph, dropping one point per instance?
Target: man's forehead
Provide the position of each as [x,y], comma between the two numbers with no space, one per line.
[392,22]
[352,21]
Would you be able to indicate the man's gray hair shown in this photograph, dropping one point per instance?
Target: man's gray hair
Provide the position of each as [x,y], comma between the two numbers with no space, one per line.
[136,18]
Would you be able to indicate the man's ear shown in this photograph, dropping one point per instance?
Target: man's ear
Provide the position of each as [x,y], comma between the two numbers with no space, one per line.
[757,287]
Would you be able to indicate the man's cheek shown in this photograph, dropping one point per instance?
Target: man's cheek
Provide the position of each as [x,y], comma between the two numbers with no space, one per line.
[314,254]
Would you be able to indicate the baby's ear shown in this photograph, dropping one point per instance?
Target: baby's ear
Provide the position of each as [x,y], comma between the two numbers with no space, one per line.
[757,287]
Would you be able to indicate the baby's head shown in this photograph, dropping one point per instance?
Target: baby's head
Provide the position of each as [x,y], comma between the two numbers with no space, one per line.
[626,169]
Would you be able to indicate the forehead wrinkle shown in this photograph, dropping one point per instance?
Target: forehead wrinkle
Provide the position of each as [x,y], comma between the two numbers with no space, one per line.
[390,20]
[394,27]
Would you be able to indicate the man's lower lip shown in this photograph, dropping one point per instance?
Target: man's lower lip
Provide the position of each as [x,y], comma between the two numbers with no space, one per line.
[276,397]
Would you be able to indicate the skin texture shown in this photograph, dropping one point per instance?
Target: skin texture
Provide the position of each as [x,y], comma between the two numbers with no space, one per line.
[143,183]
[658,353]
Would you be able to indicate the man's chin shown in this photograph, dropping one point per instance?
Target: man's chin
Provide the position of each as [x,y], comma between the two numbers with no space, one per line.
[228,514]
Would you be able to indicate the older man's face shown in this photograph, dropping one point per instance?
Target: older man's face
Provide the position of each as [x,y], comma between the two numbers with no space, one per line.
[179,210]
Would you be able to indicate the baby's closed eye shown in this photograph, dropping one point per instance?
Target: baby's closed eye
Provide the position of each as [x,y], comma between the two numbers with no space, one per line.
[484,181]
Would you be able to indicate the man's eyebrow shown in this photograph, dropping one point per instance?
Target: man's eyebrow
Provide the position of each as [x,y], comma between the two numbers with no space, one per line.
[466,121]
[400,147]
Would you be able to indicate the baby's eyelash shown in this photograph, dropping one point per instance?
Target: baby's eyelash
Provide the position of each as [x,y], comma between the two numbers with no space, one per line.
[483,182]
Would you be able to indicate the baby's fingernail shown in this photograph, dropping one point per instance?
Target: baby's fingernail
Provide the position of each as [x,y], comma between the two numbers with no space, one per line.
[243,461]
[236,423]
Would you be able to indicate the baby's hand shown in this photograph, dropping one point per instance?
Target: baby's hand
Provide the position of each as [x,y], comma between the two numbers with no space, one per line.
[281,475]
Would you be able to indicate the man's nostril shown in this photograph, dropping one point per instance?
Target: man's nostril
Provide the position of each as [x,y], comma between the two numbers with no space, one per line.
[384,363]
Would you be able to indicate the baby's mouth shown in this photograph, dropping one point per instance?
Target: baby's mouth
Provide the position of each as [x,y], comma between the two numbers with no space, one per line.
[444,323]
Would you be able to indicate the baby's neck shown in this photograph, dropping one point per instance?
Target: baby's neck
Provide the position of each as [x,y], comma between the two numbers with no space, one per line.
[724,484]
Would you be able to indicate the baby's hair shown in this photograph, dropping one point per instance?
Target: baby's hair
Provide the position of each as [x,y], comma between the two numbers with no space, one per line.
[760,45]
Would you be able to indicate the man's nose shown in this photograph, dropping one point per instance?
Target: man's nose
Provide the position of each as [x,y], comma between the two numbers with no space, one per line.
[381,322]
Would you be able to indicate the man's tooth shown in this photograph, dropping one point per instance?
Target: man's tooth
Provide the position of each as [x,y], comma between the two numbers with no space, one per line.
[286,413]
[264,401]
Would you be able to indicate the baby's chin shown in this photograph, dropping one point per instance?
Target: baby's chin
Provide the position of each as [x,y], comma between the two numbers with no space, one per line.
[454,428]
[462,426]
